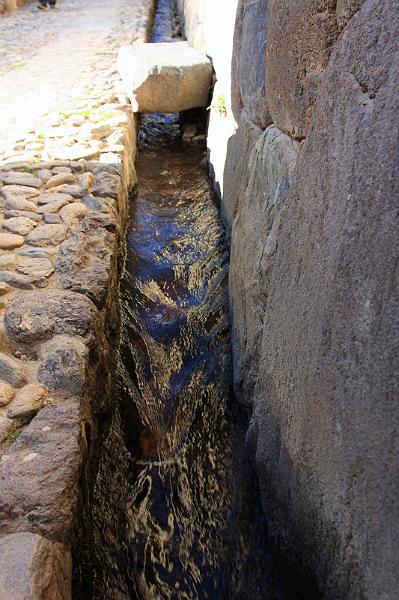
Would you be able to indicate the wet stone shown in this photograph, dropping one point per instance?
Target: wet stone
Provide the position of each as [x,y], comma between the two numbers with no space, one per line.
[7,393]
[48,197]
[9,214]
[5,426]
[12,371]
[64,366]
[9,241]
[47,234]
[22,178]
[28,401]
[36,267]
[19,225]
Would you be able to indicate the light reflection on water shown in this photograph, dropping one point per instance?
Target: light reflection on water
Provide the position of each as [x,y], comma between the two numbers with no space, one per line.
[178,323]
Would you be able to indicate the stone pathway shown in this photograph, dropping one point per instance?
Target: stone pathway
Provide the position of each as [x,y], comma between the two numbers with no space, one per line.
[66,145]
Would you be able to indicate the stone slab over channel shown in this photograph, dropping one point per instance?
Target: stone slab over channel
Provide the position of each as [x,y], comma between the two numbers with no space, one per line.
[165,77]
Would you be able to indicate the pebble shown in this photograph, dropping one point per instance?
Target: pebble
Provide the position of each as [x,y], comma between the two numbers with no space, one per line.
[47,234]
[48,197]
[5,426]
[53,207]
[9,214]
[59,179]
[12,371]
[9,241]
[7,393]
[36,267]
[28,401]
[19,225]
[44,174]
[24,179]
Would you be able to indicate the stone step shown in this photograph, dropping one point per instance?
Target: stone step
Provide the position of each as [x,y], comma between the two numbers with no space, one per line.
[165,77]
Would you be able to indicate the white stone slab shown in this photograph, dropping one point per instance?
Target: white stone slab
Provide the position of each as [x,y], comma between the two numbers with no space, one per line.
[165,77]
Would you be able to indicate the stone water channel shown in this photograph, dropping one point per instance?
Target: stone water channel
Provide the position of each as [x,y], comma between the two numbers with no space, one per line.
[174,510]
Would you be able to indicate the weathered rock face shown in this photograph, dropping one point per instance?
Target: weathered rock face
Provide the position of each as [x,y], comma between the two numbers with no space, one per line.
[301,35]
[39,475]
[313,283]
[254,243]
[324,410]
[32,567]
[165,77]
[248,79]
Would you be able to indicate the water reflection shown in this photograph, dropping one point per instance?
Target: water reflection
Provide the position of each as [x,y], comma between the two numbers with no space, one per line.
[178,328]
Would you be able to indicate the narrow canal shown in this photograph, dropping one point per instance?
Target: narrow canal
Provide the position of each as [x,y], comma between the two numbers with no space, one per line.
[177,513]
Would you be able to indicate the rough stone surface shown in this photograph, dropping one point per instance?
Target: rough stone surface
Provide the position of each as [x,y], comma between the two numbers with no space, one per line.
[71,214]
[50,197]
[5,426]
[249,50]
[165,77]
[236,171]
[19,225]
[28,401]
[24,282]
[254,243]
[326,418]
[9,241]
[9,214]
[32,567]
[39,475]
[47,234]
[52,207]
[38,315]
[12,371]
[59,179]
[7,393]
[84,261]
[36,267]
[25,179]
[106,184]
[301,35]
[64,367]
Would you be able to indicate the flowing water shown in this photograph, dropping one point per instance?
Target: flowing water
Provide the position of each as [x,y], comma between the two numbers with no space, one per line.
[186,521]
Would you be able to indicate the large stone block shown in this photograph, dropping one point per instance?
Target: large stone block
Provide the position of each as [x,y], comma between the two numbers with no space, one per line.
[301,35]
[165,77]
[326,407]
[39,475]
[248,74]
[254,243]
[236,168]
[33,568]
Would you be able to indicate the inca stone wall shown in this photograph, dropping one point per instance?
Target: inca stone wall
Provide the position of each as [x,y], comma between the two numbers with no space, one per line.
[61,241]
[308,173]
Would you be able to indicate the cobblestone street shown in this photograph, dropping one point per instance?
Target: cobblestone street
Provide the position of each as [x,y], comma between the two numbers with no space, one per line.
[51,60]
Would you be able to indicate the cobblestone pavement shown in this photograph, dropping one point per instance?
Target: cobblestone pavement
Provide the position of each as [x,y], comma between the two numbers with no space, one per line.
[49,59]
[66,150]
